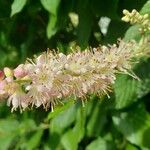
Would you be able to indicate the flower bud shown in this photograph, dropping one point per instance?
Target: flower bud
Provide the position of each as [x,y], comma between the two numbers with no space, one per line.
[1,75]
[125,11]
[19,72]
[125,18]
[145,16]
[8,72]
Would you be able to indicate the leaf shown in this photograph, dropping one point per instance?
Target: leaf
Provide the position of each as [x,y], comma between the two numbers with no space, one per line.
[146,8]
[68,117]
[51,27]
[131,147]
[60,123]
[8,131]
[97,119]
[51,5]
[85,24]
[60,109]
[134,125]
[129,90]
[73,136]
[101,144]
[27,125]
[132,33]
[125,91]
[17,6]
[5,141]
[34,141]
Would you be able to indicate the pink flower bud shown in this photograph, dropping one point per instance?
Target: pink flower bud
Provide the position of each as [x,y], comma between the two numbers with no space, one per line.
[8,72]
[19,72]
[1,75]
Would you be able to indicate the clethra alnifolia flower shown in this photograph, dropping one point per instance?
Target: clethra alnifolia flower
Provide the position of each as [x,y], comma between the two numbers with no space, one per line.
[49,78]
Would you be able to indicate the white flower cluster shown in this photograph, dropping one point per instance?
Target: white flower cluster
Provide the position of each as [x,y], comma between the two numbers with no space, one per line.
[50,77]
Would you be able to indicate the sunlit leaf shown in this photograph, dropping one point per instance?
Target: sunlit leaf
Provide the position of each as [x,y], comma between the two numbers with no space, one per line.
[146,8]
[51,5]
[51,27]
[101,144]
[17,6]
[131,147]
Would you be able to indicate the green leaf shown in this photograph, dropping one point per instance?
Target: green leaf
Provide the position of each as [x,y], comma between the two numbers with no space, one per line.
[125,91]
[101,144]
[17,6]
[51,5]
[51,27]
[97,118]
[132,33]
[73,136]
[85,23]
[129,90]
[34,141]
[68,117]
[130,147]
[146,8]
[60,109]
[27,125]
[6,140]
[134,125]
[60,123]
[8,131]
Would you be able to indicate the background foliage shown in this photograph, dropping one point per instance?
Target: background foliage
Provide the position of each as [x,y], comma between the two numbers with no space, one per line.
[28,27]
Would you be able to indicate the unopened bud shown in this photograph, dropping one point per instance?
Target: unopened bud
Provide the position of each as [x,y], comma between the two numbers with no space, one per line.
[125,11]
[146,22]
[19,72]
[8,72]
[125,18]
[134,12]
[145,16]
[1,75]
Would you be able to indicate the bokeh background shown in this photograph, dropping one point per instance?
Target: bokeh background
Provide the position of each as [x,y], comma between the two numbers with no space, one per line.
[28,27]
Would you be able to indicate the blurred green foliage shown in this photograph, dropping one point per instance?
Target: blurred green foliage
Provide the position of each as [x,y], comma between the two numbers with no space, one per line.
[28,27]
